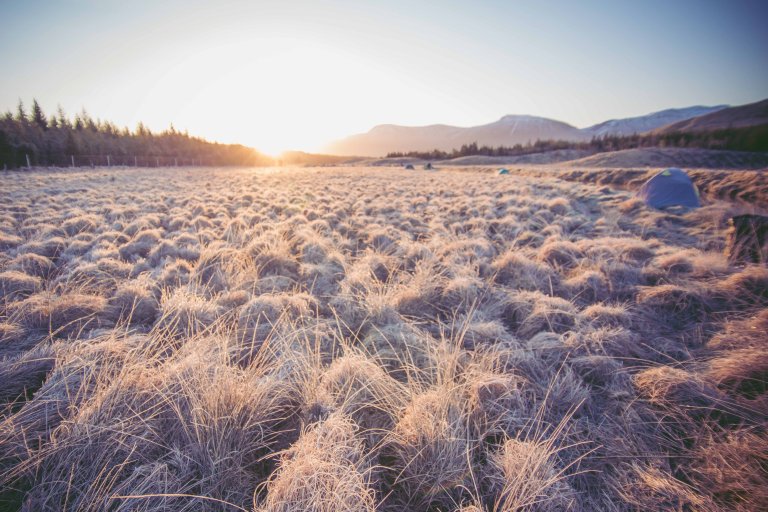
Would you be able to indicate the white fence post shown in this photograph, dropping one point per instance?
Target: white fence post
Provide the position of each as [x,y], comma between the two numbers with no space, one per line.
[135,161]
[29,165]
[109,163]
[72,159]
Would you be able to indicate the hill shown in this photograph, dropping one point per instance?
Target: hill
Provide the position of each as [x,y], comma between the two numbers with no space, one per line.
[641,124]
[743,116]
[680,157]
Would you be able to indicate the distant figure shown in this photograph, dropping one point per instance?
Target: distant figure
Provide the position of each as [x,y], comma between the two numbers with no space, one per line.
[747,239]
[428,166]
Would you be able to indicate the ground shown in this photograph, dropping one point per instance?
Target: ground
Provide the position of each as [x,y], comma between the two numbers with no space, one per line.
[373,339]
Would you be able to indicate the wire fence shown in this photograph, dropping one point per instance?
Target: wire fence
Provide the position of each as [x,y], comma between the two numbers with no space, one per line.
[29,161]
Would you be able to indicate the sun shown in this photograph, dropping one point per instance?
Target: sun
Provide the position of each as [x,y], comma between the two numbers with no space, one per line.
[274,95]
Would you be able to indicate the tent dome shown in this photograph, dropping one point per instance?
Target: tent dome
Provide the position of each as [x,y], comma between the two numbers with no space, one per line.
[670,187]
[503,171]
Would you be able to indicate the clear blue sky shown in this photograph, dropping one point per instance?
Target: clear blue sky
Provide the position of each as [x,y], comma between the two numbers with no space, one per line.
[296,74]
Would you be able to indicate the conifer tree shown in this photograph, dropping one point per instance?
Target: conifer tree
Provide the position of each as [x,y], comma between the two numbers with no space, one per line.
[21,113]
[38,117]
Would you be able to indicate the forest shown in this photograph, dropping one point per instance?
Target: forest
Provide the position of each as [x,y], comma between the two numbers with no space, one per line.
[32,138]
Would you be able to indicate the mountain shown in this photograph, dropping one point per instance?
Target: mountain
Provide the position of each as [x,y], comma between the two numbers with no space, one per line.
[507,131]
[516,129]
[646,123]
[743,116]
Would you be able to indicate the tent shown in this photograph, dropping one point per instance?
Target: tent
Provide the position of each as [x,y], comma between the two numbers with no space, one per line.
[670,187]
[409,167]
[503,171]
[428,166]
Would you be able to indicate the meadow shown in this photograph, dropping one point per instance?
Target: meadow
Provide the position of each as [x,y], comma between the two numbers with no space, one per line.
[359,339]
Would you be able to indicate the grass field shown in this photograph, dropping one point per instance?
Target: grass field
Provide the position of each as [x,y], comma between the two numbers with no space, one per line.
[356,339]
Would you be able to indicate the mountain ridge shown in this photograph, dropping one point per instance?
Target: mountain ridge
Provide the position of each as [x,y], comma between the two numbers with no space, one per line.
[508,130]
[741,116]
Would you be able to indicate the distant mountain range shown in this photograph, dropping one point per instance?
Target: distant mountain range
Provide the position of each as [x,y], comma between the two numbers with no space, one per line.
[509,130]
[522,129]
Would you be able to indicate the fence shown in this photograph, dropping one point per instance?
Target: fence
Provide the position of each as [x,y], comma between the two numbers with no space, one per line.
[27,160]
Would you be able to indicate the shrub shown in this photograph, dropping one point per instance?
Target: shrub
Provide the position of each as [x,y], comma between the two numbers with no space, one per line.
[677,391]
[515,270]
[259,316]
[745,289]
[21,376]
[523,476]
[185,314]
[529,313]
[433,450]
[63,315]
[34,265]
[360,389]
[560,254]
[81,223]
[673,308]
[8,241]
[14,284]
[135,303]
[742,371]
[325,471]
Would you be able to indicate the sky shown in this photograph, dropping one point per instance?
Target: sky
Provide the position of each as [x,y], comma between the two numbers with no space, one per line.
[279,75]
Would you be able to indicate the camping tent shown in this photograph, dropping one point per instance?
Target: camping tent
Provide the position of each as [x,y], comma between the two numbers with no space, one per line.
[670,187]
[428,166]
[409,167]
[503,171]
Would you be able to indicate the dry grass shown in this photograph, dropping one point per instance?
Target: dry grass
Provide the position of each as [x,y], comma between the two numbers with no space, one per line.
[370,339]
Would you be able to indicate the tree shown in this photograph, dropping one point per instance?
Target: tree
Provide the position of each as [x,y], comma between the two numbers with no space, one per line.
[63,121]
[71,147]
[7,154]
[21,114]
[88,121]
[38,117]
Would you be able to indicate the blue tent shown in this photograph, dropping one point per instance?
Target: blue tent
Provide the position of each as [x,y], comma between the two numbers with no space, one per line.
[670,187]
[503,171]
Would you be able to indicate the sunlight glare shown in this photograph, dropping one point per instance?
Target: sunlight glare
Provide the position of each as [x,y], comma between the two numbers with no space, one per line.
[276,94]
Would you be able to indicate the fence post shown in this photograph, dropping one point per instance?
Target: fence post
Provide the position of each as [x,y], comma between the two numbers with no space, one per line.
[109,163]
[72,159]
[157,161]
[135,161]
[29,165]
[175,162]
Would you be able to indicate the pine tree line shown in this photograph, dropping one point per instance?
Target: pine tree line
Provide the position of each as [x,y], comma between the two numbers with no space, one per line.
[58,140]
